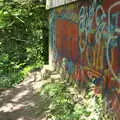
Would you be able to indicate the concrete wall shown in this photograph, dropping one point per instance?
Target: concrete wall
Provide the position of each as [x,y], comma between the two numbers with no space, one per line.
[57,3]
[85,37]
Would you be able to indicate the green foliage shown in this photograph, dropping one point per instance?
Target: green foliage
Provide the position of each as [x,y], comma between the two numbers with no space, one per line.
[23,38]
[61,105]
[64,107]
[52,89]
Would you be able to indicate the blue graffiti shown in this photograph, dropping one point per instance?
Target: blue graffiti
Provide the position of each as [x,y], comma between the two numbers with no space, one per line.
[98,81]
[70,67]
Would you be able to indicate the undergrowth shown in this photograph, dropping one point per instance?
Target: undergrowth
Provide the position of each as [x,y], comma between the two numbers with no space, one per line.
[11,79]
[68,104]
[23,39]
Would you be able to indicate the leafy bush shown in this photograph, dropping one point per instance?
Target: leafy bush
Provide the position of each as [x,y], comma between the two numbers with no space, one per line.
[64,107]
[11,79]
[23,39]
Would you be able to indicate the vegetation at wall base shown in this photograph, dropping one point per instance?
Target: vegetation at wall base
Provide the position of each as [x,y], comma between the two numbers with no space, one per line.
[67,103]
[73,102]
[23,39]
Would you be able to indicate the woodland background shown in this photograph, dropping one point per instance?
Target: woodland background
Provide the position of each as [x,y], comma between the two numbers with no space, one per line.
[23,39]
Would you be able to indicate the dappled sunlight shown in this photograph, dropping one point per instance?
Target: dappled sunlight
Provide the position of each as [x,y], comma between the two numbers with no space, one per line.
[17,107]
[37,76]
[5,93]
[20,95]
[26,82]
[7,108]
[40,84]
[22,102]
[32,104]
[10,107]
[58,76]
[21,118]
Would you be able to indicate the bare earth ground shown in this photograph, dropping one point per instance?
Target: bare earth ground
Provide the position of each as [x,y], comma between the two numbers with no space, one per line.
[22,102]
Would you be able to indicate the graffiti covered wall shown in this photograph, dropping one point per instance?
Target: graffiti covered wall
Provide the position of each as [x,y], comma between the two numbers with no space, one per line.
[87,37]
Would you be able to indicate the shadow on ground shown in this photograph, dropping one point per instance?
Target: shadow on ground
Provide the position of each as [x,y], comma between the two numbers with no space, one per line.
[22,102]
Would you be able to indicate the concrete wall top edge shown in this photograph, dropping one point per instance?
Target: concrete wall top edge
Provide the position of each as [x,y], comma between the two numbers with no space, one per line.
[56,3]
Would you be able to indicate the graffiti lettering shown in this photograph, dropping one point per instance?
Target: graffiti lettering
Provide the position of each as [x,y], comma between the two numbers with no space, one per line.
[90,42]
[109,40]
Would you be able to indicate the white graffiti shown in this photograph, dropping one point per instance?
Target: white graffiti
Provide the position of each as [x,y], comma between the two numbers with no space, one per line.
[97,13]
[100,23]
[109,40]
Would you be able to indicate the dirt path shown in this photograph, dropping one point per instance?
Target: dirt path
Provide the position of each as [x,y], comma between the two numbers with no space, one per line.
[22,102]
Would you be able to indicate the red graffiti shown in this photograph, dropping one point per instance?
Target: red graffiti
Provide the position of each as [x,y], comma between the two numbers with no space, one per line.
[67,38]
